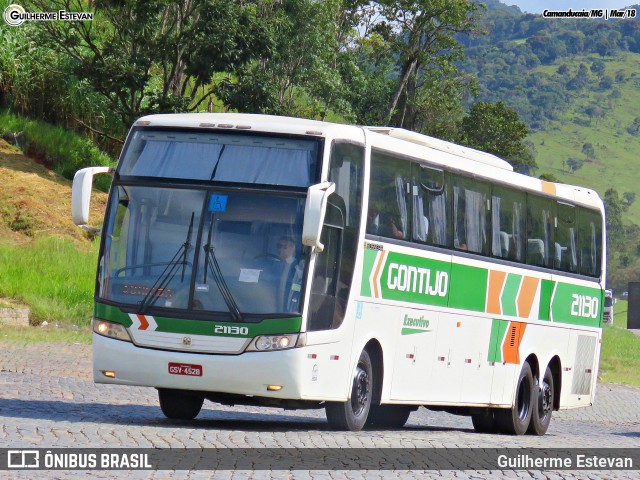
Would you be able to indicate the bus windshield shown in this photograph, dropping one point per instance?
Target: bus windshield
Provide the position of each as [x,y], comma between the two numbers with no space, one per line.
[203,250]
[224,157]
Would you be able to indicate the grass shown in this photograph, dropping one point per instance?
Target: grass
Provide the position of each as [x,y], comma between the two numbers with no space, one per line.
[620,357]
[64,150]
[48,334]
[54,277]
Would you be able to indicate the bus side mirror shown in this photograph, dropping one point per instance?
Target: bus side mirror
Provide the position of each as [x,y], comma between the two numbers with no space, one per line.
[314,212]
[81,196]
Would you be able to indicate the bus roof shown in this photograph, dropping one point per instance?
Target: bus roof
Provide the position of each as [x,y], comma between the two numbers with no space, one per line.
[477,162]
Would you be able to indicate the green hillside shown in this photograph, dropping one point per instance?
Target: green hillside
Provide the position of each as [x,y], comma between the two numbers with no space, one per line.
[616,150]
[576,84]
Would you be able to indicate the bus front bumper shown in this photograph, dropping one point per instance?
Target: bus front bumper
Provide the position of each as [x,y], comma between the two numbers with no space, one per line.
[253,373]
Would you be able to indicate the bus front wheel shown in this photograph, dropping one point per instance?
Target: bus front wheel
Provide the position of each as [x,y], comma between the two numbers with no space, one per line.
[352,414]
[515,421]
[180,404]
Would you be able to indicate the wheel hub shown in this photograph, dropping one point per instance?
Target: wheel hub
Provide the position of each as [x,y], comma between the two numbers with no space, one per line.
[360,393]
[545,398]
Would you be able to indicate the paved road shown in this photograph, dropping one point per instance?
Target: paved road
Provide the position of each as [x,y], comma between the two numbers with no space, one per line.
[48,399]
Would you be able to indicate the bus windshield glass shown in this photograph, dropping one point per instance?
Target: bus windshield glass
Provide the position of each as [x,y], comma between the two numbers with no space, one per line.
[203,251]
[224,157]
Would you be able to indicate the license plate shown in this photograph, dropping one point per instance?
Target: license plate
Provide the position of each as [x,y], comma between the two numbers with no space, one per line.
[185,369]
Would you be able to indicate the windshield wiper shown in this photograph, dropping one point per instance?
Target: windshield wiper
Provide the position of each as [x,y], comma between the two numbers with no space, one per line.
[180,258]
[211,263]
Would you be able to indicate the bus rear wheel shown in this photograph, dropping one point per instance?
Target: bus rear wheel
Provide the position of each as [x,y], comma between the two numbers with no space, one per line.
[515,421]
[180,404]
[543,406]
[388,416]
[352,414]
[485,422]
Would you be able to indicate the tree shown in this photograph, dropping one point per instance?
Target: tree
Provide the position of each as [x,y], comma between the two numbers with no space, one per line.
[598,67]
[614,209]
[495,128]
[131,45]
[421,34]
[634,129]
[548,177]
[594,111]
[302,75]
[588,150]
[574,164]
[629,198]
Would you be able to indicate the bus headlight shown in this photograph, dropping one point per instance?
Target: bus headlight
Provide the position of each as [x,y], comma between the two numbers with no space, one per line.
[266,343]
[110,330]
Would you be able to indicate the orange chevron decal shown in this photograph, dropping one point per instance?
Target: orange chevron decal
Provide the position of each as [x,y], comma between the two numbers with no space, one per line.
[496,282]
[527,293]
[378,271]
[144,324]
[511,345]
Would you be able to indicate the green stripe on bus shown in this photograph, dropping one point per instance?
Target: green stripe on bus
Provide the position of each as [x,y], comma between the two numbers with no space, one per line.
[426,281]
[414,279]
[577,305]
[199,327]
[510,294]
[546,291]
[498,331]
[203,327]
[111,313]
[468,287]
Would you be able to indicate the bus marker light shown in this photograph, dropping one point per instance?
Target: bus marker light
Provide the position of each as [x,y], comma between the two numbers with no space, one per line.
[312,355]
[207,124]
[334,357]
[108,373]
[467,360]
[410,355]
[441,359]
[243,127]
[274,388]
[458,324]
[225,125]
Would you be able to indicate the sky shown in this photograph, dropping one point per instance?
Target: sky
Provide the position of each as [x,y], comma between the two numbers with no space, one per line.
[537,6]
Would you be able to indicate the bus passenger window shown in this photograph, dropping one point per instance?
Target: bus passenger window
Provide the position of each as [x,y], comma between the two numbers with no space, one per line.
[430,206]
[388,212]
[590,242]
[566,244]
[470,215]
[507,224]
[540,215]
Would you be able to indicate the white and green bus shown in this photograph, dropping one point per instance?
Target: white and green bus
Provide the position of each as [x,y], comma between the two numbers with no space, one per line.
[281,262]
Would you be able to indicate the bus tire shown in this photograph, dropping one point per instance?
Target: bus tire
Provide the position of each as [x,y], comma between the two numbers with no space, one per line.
[543,406]
[388,416]
[485,422]
[180,404]
[515,421]
[352,414]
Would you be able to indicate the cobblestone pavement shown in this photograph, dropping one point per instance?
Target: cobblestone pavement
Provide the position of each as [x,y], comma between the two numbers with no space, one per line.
[48,399]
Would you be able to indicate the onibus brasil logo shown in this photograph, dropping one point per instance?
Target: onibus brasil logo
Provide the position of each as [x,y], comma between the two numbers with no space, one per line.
[15,15]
